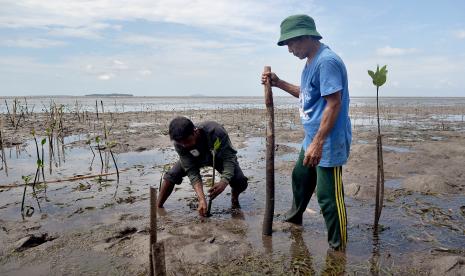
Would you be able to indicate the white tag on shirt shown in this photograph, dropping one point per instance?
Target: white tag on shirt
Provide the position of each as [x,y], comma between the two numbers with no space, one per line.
[195,152]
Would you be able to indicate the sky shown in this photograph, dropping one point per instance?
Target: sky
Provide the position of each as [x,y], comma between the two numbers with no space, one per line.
[219,47]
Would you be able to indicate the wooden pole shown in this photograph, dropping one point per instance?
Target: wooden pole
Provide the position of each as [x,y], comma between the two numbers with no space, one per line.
[153,225]
[380,172]
[269,208]
[157,249]
[158,259]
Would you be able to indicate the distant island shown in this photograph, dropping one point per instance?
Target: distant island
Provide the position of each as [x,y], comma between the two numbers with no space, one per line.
[109,95]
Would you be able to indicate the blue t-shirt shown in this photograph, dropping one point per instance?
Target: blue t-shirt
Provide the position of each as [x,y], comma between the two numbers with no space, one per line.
[325,75]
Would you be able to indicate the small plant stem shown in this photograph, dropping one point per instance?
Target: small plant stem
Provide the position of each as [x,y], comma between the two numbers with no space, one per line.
[116,166]
[101,159]
[24,197]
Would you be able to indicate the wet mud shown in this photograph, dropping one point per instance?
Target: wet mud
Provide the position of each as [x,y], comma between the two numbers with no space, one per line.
[91,224]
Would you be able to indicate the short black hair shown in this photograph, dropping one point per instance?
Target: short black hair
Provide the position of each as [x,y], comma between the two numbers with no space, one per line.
[180,128]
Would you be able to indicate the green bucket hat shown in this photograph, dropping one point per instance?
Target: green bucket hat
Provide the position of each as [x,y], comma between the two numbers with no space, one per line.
[297,25]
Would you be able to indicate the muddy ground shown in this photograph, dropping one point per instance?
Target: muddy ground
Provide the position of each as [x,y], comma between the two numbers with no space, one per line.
[98,225]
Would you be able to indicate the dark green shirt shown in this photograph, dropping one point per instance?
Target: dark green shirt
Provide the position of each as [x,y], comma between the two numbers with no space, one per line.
[201,156]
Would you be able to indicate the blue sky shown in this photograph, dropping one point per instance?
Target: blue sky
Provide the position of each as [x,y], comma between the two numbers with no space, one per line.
[219,48]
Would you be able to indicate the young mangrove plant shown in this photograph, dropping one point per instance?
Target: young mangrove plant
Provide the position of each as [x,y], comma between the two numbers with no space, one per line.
[51,154]
[97,140]
[89,142]
[39,162]
[379,78]
[109,146]
[26,210]
[216,147]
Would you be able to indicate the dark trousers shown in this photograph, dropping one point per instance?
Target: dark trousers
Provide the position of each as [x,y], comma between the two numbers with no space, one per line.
[330,194]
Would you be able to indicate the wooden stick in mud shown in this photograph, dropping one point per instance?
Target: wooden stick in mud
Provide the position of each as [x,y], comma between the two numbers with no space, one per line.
[2,151]
[74,178]
[380,172]
[96,108]
[158,259]
[157,249]
[153,226]
[379,182]
[269,208]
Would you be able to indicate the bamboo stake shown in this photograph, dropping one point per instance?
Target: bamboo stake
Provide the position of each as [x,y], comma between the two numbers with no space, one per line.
[270,147]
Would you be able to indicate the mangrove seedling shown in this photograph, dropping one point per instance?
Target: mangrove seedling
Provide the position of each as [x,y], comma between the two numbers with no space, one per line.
[97,140]
[216,147]
[109,146]
[26,179]
[379,78]
[40,160]
[88,142]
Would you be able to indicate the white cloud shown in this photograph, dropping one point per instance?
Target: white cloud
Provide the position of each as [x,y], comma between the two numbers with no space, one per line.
[92,31]
[36,43]
[460,34]
[389,51]
[119,65]
[145,72]
[72,17]
[180,42]
[106,76]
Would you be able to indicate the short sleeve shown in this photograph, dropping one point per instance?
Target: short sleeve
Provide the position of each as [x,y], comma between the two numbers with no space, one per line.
[330,77]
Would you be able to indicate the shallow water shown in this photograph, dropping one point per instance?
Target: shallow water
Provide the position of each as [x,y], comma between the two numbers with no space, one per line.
[141,104]
[411,222]
[75,161]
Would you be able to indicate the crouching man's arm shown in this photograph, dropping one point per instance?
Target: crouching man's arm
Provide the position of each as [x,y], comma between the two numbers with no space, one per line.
[198,188]
[193,172]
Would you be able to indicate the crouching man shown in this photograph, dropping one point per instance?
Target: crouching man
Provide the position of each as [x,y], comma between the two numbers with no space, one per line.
[194,145]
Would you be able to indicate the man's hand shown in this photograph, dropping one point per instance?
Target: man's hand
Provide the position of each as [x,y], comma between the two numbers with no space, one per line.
[217,189]
[272,76]
[313,153]
[202,207]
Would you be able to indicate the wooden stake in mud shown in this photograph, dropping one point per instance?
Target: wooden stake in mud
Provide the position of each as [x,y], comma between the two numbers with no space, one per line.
[269,208]
[2,151]
[157,249]
[96,108]
[158,259]
[153,224]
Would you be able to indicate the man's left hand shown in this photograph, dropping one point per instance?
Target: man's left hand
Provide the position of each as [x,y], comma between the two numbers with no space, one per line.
[217,189]
[313,154]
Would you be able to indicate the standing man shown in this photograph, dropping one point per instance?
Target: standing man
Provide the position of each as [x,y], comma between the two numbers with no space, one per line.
[324,110]
[194,145]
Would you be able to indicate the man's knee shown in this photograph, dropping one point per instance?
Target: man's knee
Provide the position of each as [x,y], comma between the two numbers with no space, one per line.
[175,174]
[239,185]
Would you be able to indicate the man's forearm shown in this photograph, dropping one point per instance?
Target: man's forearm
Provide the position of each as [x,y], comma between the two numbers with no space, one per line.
[292,89]
[328,119]
[198,188]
